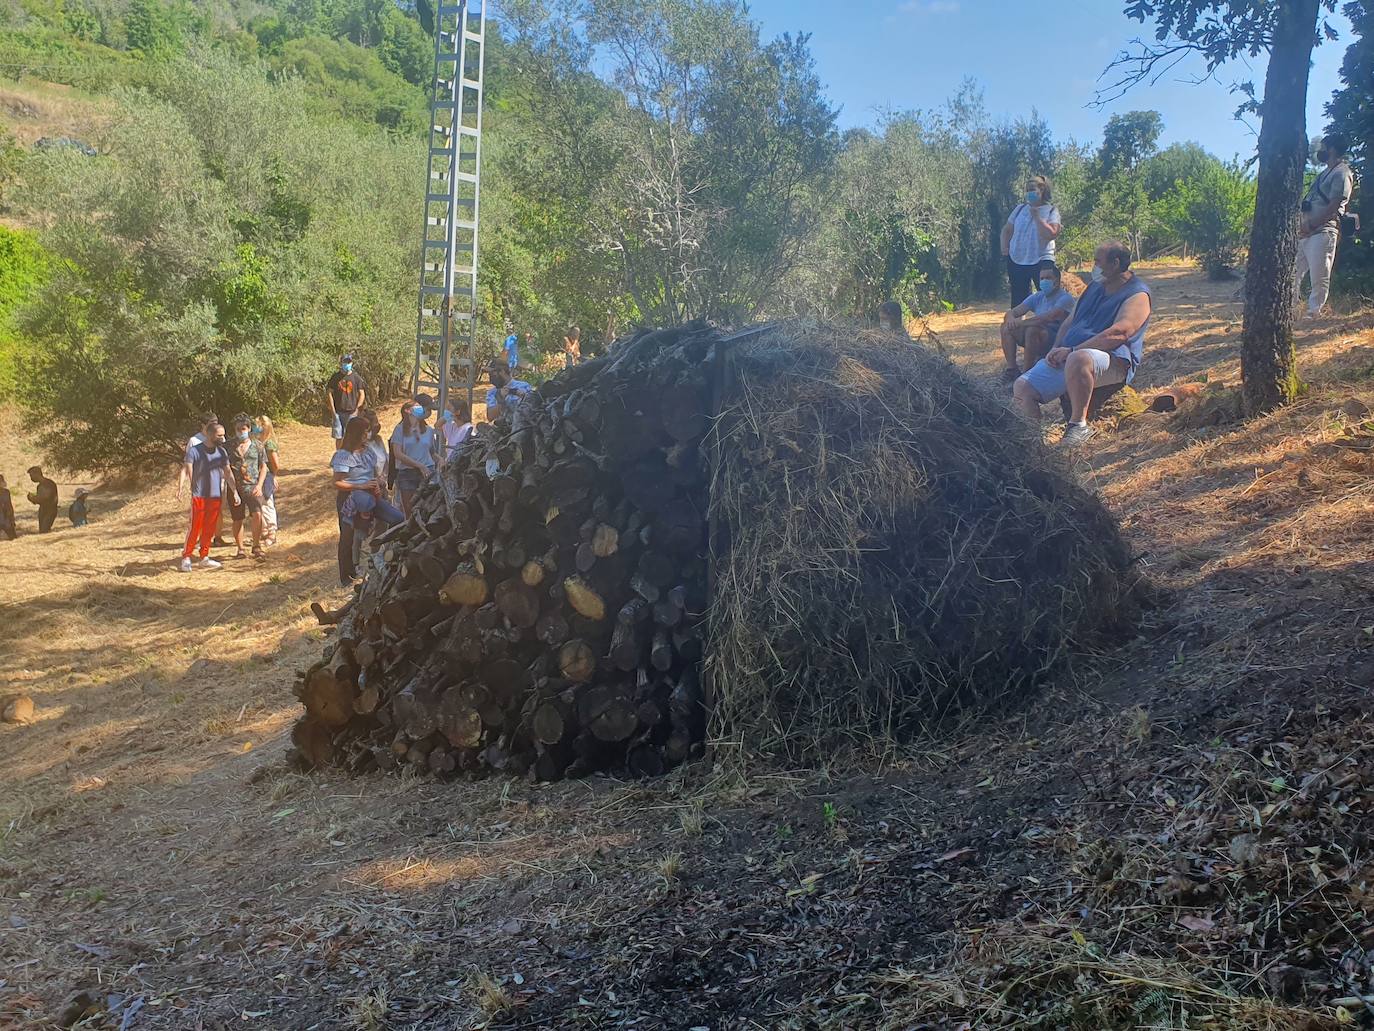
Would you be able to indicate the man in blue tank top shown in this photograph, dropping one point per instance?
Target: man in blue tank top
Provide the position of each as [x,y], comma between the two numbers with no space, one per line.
[1100,344]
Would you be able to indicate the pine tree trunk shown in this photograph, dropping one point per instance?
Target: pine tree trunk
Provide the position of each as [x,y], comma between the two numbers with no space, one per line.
[1268,360]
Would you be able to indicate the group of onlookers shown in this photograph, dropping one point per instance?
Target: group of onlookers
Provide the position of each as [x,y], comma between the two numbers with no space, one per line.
[1075,347]
[45,498]
[572,349]
[232,478]
[376,479]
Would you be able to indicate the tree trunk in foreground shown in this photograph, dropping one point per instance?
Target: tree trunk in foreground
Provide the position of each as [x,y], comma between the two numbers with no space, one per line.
[1268,361]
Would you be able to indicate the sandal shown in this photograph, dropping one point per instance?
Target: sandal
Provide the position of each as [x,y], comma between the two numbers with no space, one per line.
[240,553]
[258,552]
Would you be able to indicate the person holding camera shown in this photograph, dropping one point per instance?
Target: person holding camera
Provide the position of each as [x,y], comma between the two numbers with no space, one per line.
[1319,229]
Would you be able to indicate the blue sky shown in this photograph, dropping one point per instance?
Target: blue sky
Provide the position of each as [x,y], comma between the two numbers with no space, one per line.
[901,54]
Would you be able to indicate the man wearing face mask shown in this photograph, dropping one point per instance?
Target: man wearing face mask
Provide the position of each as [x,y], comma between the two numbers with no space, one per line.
[1028,238]
[1319,229]
[1100,344]
[248,463]
[207,467]
[347,393]
[504,391]
[1033,323]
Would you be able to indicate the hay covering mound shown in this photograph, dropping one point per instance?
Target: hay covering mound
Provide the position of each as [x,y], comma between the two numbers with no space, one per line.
[799,536]
[897,543]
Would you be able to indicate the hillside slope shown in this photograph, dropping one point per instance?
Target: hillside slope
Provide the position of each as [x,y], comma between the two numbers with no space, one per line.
[1179,827]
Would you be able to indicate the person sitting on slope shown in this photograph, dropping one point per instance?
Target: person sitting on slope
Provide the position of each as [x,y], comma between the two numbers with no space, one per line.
[1100,344]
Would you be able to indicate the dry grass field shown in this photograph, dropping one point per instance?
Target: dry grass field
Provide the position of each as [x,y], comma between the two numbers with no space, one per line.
[1180,825]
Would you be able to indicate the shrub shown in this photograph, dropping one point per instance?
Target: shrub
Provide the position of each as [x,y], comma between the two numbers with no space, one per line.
[1212,213]
[23,270]
[222,254]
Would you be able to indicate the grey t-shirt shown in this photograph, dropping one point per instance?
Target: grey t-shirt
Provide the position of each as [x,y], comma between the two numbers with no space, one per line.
[1330,184]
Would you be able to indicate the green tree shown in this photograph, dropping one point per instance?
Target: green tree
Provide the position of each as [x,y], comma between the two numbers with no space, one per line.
[351,81]
[1221,30]
[154,28]
[1182,162]
[405,48]
[705,149]
[24,268]
[222,254]
[1211,211]
[1127,141]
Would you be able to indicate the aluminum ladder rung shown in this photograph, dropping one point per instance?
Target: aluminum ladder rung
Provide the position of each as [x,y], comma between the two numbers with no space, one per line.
[459,291]
[437,338]
[438,313]
[462,177]
[444,198]
[463,247]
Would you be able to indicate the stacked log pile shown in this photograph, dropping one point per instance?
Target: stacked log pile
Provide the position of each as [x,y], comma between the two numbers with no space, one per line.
[541,610]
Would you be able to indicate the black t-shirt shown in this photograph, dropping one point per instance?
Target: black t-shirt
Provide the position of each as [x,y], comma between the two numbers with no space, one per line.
[345,388]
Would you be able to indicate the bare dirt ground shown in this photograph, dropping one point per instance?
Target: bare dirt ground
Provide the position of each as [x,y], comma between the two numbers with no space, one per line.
[1175,835]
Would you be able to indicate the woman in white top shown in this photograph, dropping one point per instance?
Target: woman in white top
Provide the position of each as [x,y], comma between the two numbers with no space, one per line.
[1028,238]
[456,425]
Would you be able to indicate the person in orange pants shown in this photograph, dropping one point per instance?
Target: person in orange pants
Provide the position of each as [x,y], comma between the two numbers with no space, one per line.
[207,464]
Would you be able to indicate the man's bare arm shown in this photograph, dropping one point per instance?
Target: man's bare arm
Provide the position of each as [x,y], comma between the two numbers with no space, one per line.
[1128,322]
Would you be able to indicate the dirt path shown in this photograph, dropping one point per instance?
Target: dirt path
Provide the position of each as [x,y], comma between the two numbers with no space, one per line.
[155,854]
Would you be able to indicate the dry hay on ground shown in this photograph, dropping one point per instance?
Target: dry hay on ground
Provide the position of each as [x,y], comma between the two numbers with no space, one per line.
[885,541]
[897,544]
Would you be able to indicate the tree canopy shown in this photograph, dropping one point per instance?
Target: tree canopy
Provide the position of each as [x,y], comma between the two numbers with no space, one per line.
[255,207]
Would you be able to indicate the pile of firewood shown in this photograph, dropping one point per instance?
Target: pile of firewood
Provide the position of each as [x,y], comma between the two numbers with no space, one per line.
[541,609]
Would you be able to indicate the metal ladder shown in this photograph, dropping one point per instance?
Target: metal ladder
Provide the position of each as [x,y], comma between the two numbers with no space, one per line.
[446,331]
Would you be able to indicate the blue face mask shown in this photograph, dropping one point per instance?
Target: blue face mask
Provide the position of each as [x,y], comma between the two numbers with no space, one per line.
[418,411]
[255,431]
[243,434]
[1047,286]
[1032,197]
[347,366]
[448,417]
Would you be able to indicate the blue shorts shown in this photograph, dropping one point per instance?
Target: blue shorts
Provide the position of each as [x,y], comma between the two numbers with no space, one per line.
[1048,382]
[409,479]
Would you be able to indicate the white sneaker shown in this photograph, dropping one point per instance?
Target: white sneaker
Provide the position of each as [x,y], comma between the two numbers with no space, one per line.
[1075,434]
[209,563]
[185,565]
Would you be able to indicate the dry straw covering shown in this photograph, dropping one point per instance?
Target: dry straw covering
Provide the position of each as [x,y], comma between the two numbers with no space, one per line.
[894,543]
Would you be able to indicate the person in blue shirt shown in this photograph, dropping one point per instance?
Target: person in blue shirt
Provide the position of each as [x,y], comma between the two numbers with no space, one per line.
[358,494]
[504,391]
[1100,344]
[412,449]
[1033,323]
[511,349]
